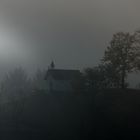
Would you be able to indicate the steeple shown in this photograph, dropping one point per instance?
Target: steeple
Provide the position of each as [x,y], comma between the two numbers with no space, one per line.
[52,65]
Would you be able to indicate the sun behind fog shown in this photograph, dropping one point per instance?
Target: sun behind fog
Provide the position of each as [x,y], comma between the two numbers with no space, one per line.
[11,46]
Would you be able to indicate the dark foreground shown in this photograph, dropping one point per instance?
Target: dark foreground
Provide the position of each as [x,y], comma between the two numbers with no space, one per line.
[109,114]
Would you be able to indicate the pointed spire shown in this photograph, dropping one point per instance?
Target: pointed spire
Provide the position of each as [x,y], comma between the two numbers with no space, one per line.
[52,66]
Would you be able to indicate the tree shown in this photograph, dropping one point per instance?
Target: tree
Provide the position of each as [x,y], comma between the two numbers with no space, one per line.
[16,84]
[123,54]
[15,87]
[137,49]
[101,77]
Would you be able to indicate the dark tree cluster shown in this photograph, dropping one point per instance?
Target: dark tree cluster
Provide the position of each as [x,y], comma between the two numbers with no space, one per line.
[121,57]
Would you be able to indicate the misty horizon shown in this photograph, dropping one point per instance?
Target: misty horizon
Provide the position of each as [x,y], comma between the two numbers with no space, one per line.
[74,34]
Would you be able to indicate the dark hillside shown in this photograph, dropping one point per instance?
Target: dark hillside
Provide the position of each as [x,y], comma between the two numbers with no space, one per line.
[58,114]
[104,114]
[117,112]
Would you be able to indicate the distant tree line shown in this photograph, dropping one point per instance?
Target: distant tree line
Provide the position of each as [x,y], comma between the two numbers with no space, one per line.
[16,84]
[121,57]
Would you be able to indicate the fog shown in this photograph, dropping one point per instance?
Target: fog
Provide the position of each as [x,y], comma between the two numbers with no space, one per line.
[52,82]
[72,33]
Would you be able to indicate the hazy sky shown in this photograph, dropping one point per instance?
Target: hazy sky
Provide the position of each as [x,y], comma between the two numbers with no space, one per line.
[73,33]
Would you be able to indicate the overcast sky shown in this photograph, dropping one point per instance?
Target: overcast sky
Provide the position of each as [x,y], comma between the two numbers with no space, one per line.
[73,33]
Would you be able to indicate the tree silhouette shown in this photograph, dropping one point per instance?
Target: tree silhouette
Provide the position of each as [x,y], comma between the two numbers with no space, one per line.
[16,84]
[123,54]
[101,77]
[16,87]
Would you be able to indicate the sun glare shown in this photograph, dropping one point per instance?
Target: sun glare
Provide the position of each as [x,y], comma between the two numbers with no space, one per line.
[10,44]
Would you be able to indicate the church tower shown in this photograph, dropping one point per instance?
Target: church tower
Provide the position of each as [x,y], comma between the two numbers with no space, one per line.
[52,66]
